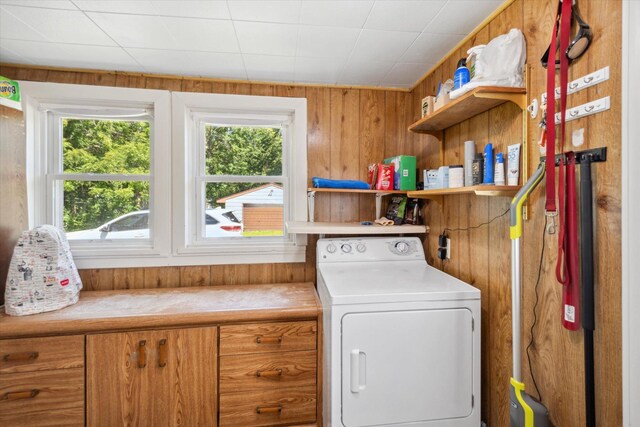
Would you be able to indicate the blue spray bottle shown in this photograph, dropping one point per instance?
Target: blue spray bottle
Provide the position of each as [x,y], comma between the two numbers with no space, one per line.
[488,164]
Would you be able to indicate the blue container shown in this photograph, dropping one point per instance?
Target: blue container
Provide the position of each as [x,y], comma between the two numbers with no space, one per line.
[461,75]
[488,164]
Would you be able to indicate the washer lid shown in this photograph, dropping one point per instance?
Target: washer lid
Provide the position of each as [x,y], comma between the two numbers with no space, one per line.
[373,282]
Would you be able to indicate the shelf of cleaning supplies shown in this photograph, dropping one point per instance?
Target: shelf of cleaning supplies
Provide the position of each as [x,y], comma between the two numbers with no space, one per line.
[346,228]
[470,104]
[478,190]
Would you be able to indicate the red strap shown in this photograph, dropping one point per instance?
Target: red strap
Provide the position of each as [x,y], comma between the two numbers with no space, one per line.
[565,28]
[562,274]
[550,166]
[571,292]
[564,20]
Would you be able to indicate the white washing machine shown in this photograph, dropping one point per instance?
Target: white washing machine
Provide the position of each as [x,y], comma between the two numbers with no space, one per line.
[401,338]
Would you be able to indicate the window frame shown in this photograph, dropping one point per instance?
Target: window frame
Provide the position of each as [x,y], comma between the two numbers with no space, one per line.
[189,110]
[43,105]
[172,155]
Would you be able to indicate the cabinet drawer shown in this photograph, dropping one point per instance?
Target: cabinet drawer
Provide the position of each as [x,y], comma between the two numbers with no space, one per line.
[268,408]
[46,398]
[268,337]
[37,354]
[267,371]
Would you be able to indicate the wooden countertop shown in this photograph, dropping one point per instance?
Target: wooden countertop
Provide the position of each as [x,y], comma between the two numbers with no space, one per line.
[101,311]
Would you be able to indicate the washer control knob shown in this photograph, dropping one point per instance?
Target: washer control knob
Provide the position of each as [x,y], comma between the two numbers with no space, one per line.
[361,247]
[346,248]
[331,248]
[402,247]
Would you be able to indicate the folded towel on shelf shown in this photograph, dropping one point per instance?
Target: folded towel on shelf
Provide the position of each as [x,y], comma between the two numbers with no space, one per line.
[384,221]
[339,183]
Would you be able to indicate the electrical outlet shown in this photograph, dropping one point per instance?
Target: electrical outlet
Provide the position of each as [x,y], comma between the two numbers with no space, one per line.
[448,252]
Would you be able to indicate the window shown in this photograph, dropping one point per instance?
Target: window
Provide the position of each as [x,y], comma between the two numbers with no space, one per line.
[142,177]
[103,172]
[244,161]
[94,156]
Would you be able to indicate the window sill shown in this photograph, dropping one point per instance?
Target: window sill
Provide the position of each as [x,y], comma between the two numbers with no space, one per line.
[297,254]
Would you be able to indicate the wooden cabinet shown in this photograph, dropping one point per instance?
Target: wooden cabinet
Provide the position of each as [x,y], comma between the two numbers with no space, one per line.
[153,378]
[42,381]
[268,374]
[246,355]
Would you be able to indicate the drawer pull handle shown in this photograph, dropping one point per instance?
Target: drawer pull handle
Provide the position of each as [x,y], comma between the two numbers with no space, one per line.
[269,374]
[18,395]
[142,354]
[162,353]
[272,409]
[20,357]
[269,340]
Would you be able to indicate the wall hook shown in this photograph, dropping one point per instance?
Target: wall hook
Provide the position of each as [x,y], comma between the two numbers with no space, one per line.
[533,108]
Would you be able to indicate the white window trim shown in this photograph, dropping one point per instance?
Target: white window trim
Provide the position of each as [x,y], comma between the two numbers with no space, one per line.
[38,98]
[188,108]
[170,160]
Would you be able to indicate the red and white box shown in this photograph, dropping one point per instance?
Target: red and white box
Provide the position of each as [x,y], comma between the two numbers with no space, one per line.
[385,177]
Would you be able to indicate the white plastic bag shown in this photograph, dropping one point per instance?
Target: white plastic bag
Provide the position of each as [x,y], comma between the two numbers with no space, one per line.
[42,275]
[499,63]
[502,60]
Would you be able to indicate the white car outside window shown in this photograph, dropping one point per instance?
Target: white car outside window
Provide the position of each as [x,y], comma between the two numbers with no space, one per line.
[135,225]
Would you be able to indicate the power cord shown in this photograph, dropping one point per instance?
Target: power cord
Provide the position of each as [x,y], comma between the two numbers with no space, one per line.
[535,305]
[476,226]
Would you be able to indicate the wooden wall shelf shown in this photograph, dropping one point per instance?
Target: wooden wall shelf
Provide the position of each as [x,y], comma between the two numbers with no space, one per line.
[470,104]
[346,190]
[478,190]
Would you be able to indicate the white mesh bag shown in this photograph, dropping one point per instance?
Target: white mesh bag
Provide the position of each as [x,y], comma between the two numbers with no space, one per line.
[42,275]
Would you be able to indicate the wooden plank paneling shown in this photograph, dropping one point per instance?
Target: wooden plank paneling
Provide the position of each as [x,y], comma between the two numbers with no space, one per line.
[345,150]
[195,276]
[338,120]
[229,274]
[605,130]
[371,137]
[161,277]
[128,278]
[556,354]
[13,186]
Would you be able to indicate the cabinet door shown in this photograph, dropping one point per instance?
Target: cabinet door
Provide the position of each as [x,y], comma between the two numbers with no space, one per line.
[152,378]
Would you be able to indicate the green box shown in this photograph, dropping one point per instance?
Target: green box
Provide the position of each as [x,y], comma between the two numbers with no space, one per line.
[404,177]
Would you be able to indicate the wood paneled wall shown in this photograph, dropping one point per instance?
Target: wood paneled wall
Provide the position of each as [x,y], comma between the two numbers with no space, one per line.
[348,128]
[482,256]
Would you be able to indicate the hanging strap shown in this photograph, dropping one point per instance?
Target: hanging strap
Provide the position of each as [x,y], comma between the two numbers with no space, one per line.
[571,290]
[550,168]
[562,25]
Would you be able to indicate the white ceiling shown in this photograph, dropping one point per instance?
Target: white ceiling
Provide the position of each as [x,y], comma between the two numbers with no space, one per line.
[345,42]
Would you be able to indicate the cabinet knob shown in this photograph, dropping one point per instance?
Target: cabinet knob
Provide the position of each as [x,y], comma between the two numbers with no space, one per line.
[18,395]
[20,357]
[162,353]
[142,353]
[269,340]
[269,374]
[269,409]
